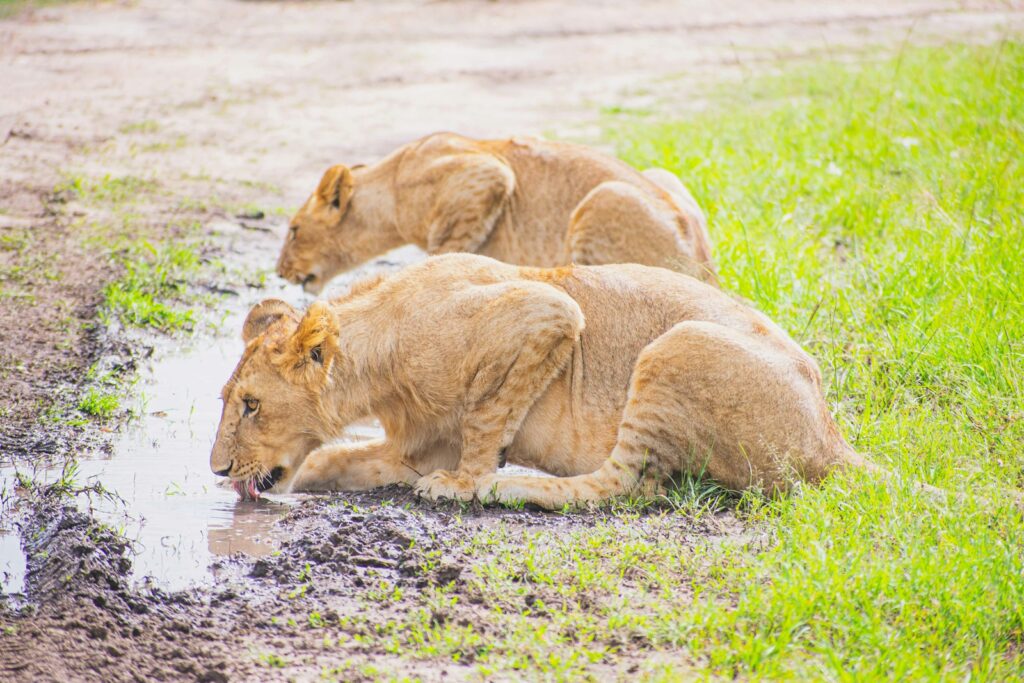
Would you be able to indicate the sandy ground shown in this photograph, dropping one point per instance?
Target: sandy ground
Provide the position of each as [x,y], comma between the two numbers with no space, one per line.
[228,103]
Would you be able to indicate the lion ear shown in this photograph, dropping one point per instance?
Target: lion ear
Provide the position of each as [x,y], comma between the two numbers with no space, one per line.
[262,316]
[336,187]
[314,344]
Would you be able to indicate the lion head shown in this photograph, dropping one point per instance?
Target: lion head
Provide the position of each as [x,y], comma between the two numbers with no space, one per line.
[335,230]
[273,414]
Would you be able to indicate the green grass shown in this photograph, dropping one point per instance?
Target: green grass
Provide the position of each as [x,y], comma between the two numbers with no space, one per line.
[11,8]
[109,190]
[100,397]
[154,277]
[144,126]
[99,403]
[875,211]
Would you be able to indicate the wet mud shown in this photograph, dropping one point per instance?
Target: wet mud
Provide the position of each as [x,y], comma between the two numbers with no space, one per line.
[80,596]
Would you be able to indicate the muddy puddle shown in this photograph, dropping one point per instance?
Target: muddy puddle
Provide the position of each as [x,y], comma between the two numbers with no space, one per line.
[161,493]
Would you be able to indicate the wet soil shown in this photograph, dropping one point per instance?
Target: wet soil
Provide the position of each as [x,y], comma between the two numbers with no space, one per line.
[225,109]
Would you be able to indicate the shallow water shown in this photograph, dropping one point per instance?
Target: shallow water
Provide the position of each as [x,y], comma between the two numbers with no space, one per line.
[180,516]
[12,562]
[178,513]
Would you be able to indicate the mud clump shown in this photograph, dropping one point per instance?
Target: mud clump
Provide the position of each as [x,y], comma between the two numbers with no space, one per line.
[70,553]
[352,544]
[82,602]
[343,548]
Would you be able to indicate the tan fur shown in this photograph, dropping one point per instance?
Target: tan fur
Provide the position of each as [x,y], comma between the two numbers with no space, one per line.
[522,201]
[614,378]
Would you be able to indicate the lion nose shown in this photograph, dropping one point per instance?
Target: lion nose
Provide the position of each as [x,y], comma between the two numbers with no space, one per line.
[227,470]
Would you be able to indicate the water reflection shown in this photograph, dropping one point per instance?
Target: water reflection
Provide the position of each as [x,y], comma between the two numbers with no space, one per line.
[179,515]
[250,530]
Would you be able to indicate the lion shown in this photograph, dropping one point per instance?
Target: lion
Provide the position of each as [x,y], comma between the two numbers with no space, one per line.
[522,200]
[615,379]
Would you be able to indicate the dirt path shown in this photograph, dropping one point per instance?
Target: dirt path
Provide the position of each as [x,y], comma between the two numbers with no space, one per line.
[218,105]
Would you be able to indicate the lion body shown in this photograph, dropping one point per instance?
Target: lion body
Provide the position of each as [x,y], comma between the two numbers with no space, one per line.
[522,201]
[613,378]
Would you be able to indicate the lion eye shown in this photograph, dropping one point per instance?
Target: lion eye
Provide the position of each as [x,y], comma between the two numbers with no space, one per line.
[251,406]
[293,232]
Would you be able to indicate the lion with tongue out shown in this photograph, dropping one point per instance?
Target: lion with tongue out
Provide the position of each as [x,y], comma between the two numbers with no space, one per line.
[613,378]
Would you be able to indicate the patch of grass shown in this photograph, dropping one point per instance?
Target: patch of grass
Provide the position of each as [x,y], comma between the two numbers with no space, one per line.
[100,396]
[273,661]
[11,8]
[177,142]
[154,277]
[544,605]
[385,592]
[874,211]
[99,402]
[14,240]
[253,209]
[144,126]
[108,189]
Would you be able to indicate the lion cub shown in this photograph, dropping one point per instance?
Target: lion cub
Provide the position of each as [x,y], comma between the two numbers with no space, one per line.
[522,201]
[614,378]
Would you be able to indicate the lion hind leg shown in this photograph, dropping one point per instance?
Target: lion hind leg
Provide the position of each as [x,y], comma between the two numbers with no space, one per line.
[744,410]
[681,194]
[618,222]
[618,476]
[706,400]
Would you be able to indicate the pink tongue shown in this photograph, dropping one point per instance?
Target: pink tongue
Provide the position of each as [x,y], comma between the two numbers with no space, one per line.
[246,490]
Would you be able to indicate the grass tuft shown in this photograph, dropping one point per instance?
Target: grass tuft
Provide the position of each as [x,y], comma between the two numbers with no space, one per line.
[108,189]
[153,277]
[12,8]
[99,403]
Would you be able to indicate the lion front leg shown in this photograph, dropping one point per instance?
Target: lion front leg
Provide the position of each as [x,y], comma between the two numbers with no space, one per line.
[469,204]
[353,467]
[538,327]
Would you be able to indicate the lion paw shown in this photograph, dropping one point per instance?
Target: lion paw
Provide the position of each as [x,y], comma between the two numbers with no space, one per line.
[489,489]
[445,485]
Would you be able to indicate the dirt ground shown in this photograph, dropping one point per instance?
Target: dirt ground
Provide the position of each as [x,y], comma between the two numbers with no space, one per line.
[220,105]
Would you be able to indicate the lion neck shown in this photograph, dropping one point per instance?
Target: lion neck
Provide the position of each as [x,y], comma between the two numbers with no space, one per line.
[374,207]
[365,379]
